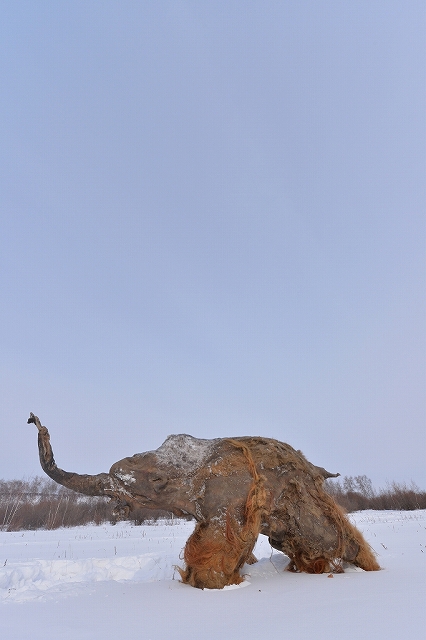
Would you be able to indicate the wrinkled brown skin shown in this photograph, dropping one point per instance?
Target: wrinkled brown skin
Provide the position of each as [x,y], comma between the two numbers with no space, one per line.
[235,489]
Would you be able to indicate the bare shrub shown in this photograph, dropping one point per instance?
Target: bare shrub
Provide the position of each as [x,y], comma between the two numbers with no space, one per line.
[41,503]
[357,494]
[141,516]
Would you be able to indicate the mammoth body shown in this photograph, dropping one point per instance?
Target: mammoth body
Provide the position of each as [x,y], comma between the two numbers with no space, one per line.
[235,488]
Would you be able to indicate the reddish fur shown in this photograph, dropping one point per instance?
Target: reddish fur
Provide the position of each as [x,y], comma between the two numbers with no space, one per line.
[214,555]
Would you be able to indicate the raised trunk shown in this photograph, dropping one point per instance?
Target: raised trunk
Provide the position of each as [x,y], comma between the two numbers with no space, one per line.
[99,485]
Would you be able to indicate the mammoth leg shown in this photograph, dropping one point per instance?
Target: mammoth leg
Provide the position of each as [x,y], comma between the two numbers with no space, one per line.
[300,560]
[357,550]
[318,537]
[215,553]
[219,546]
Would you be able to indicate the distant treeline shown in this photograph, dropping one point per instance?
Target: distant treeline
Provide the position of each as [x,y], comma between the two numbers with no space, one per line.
[40,503]
[357,494]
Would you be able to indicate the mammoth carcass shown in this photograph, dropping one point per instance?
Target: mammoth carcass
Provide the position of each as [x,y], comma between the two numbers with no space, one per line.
[235,488]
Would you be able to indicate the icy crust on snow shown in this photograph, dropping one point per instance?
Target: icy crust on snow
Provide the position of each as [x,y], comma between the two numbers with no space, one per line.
[185,452]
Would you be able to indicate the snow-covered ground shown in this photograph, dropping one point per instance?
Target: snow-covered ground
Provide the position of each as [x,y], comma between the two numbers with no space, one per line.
[120,582]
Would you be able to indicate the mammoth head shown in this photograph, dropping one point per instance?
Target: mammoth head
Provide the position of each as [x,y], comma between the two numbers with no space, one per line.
[169,478]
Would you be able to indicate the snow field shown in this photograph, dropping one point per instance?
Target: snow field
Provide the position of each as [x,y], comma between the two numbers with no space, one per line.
[109,582]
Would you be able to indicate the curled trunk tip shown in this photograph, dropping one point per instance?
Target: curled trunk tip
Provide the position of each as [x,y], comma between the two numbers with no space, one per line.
[34,420]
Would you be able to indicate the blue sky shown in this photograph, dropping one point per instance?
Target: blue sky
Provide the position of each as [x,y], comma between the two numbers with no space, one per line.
[213,222]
